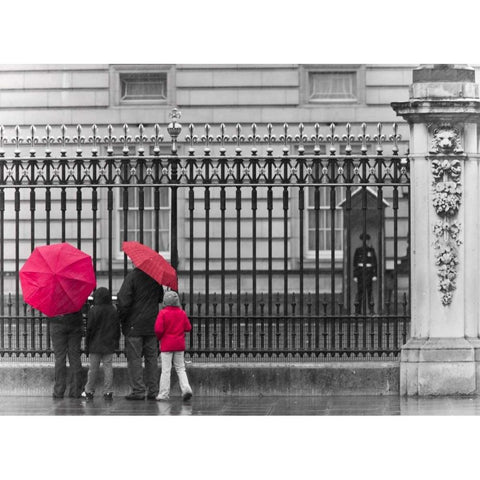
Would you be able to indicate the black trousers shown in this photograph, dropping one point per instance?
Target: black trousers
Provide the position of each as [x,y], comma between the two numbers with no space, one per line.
[66,339]
[363,288]
[145,346]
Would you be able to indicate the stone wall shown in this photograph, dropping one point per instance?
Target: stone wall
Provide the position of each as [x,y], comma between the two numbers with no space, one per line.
[272,379]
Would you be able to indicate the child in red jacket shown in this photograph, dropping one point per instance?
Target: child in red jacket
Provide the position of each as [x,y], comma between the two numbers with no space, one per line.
[170,327]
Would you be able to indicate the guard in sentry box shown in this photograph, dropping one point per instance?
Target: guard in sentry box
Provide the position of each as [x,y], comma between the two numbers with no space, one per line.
[364,272]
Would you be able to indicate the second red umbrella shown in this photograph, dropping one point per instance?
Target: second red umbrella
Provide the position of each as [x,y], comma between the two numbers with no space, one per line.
[152,263]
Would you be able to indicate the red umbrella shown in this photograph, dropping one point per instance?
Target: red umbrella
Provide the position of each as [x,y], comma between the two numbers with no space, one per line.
[57,279]
[152,263]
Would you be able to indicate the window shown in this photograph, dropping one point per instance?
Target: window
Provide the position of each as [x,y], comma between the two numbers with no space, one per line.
[325,221]
[332,83]
[142,85]
[134,219]
[332,86]
[324,213]
[134,216]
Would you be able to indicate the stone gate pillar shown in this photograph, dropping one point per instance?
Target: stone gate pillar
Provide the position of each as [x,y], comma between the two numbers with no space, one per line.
[443,355]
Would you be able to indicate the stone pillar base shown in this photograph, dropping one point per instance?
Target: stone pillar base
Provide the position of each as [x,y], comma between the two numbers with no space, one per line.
[475,342]
[439,366]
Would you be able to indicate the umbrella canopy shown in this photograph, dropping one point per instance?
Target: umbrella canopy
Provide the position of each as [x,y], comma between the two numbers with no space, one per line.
[57,279]
[152,263]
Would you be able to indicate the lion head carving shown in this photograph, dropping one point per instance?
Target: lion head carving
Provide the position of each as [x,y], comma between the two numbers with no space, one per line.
[446,139]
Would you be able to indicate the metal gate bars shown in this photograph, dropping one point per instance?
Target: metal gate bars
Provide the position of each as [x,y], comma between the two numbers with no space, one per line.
[287,246]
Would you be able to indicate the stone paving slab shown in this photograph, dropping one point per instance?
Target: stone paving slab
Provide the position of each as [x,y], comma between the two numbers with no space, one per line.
[243,406]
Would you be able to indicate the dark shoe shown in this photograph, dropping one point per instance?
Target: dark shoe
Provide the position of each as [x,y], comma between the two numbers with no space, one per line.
[187,396]
[152,396]
[57,397]
[87,395]
[132,396]
[108,396]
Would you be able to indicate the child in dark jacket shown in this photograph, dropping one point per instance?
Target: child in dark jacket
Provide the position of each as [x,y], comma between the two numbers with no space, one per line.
[170,327]
[101,341]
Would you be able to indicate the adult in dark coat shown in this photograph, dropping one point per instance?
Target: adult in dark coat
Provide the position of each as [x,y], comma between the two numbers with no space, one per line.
[101,341]
[66,335]
[364,272]
[138,305]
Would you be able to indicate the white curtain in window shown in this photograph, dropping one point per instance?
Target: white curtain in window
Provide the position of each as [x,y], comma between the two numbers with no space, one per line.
[332,85]
[145,86]
[145,90]
[149,213]
[325,220]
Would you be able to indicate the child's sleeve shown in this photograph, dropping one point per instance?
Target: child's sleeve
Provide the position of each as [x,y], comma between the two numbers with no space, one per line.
[118,332]
[90,329]
[125,301]
[187,326]
[159,325]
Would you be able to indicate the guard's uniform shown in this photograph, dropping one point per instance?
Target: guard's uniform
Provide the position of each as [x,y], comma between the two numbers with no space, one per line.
[364,269]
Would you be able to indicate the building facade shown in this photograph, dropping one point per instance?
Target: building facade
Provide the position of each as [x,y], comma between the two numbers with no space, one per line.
[115,95]
[283,241]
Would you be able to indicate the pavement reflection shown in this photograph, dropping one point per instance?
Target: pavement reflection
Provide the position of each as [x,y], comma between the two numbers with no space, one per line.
[243,406]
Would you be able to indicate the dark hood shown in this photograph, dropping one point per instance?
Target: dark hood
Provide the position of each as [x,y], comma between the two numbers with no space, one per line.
[102,296]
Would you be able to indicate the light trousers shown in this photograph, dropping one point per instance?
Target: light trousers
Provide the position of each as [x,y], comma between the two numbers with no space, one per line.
[95,359]
[178,360]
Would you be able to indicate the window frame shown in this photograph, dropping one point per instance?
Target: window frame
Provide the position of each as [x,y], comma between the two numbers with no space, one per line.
[118,212]
[323,254]
[306,70]
[309,256]
[326,254]
[116,71]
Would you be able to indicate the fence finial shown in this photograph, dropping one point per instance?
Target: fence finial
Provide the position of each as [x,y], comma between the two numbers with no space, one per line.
[300,138]
[395,137]
[17,141]
[174,128]
[364,138]
[2,140]
[125,138]
[286,138]
[191,138]
[379,138]
[317,138]
[270,137]
[222,138]
[141,138]
[156,138]
[94,138]
[79,139]
[110,139]
[349,138]
[254,137]
[238,137]
[207,138]
[332,138]
[32,140]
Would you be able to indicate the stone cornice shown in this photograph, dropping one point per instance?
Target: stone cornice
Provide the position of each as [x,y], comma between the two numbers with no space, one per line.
[447,110]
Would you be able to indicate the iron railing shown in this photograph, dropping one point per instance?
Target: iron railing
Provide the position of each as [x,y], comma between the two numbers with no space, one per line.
[244,337]
[261,229]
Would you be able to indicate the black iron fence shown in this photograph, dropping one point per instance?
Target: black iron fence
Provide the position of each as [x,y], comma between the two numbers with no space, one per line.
[263,231]
[244,336]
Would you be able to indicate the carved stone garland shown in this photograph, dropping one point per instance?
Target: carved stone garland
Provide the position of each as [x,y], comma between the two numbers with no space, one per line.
[447,196]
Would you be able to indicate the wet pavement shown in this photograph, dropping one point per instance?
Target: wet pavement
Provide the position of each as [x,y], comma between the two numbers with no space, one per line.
[243,406]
